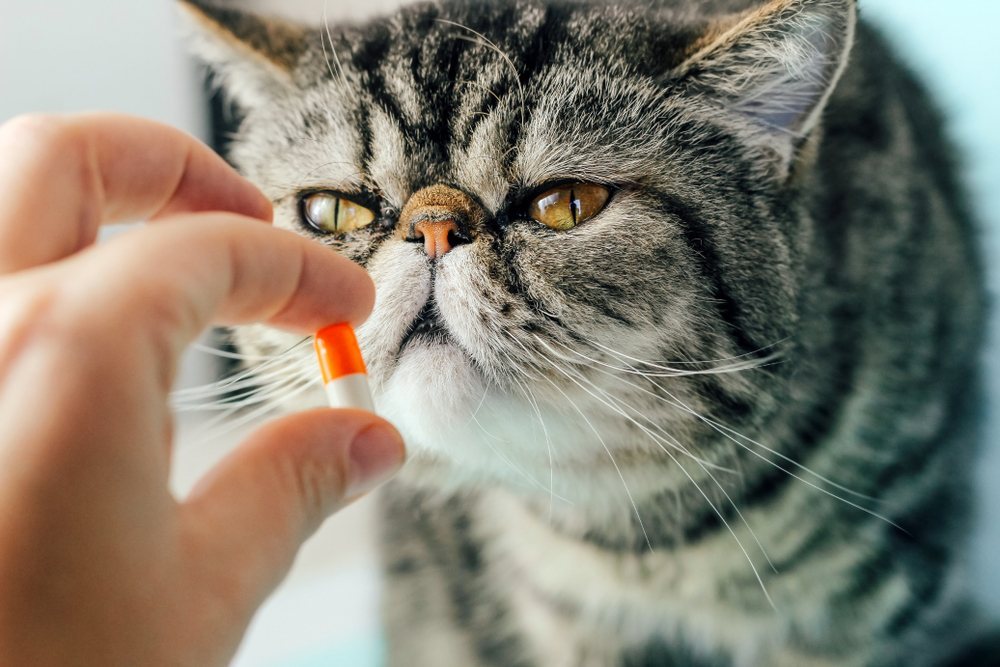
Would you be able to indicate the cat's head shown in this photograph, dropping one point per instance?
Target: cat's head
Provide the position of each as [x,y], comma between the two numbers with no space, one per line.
[583,219]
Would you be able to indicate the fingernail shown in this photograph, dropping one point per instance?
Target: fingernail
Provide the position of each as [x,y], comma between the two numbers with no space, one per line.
[377,453]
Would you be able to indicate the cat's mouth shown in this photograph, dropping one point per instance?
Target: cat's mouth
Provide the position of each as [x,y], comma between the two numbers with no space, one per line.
[427,326]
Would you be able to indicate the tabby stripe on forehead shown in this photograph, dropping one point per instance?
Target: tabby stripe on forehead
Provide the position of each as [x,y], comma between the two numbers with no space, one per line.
[386,102]
[531,54]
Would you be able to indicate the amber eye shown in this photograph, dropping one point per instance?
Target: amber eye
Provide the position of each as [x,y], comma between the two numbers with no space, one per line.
[331,213]
[566,206]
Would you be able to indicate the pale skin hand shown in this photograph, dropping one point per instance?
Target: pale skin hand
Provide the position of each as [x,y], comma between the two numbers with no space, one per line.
[99,564]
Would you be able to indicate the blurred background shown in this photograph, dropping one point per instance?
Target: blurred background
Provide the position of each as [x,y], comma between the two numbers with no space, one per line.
[123,55]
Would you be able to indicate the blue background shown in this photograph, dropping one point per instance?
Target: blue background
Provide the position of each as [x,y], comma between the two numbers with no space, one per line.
[954,45]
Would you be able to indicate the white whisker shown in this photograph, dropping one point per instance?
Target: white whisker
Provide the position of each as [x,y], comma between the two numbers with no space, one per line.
[705,468]
[656,439]
[506,459]
[667,372]
[659,365]
[697,486]
[226,354]
[607,449]
[246,379]
[725,431]
[252,396]
[333,51]
[222,425]
[530,397]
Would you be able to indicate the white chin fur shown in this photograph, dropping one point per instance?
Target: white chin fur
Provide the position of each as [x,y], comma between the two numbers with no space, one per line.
[445,411]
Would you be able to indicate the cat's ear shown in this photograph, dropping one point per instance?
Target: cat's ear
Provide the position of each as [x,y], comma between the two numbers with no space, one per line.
[254,57]
[771,71]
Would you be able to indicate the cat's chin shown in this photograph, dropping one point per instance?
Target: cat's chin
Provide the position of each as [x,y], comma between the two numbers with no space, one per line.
[433,385]
[464,433]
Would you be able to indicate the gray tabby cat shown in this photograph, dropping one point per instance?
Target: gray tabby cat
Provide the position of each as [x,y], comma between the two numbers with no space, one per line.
[679,308]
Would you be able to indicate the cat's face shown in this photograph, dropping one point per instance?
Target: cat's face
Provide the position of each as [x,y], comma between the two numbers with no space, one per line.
[610,340]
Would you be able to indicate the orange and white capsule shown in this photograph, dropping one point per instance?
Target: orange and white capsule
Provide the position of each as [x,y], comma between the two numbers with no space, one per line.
[344,374]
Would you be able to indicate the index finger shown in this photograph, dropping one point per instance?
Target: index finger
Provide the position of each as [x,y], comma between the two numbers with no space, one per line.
[61,177]
[164,284]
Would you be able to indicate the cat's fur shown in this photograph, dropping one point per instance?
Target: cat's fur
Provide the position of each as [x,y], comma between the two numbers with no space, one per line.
[788,250]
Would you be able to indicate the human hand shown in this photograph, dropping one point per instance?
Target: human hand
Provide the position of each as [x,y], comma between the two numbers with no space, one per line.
[99,564]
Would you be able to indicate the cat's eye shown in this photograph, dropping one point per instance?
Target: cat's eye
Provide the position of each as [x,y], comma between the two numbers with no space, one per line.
[566,206]
[333,213]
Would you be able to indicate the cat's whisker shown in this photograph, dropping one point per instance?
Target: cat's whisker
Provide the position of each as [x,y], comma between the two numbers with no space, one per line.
[600,438]
[325,34]
[725,431]
[252,377]
[226,354]
[669,367]
[278,368]
[255,393]
[705,468]
[506,459]
[484,88]
[548,449]
[721,427]
[697,486]
[715,508]
[222,425]
[237,382]
[674,443]
[482,401]
[621,476]
[530,396]
[253,396]
[738,367]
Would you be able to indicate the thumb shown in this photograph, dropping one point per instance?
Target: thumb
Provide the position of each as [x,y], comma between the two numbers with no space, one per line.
[247,519]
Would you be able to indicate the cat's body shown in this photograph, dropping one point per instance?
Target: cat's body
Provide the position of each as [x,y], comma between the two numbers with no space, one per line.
[798,265]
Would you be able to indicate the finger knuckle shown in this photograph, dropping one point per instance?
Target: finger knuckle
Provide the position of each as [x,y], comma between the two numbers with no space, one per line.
[45,132]
[28,320]
[316,485]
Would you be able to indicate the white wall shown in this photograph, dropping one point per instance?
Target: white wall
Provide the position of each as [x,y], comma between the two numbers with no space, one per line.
[104,55]
[79,55]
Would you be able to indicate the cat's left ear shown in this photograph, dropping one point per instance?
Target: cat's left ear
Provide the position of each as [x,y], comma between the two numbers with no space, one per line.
[769,72]
[256,58]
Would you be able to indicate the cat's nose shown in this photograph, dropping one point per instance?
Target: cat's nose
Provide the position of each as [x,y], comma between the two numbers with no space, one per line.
[440,217]
[439,236]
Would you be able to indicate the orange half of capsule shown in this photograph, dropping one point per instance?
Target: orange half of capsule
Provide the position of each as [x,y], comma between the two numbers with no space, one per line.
[338,352]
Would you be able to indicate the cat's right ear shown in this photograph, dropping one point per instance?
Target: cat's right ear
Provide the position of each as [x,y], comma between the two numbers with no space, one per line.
[770,71]
[255,58]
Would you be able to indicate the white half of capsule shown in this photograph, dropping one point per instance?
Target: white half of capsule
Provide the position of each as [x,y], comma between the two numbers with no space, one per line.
[350,391]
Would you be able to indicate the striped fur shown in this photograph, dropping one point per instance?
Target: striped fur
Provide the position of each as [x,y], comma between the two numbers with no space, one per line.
[730,420]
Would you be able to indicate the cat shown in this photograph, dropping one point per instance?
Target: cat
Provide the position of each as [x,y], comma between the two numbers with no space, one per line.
[679,310]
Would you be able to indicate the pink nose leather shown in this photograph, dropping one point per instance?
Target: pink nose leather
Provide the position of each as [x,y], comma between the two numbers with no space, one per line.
[436,235]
